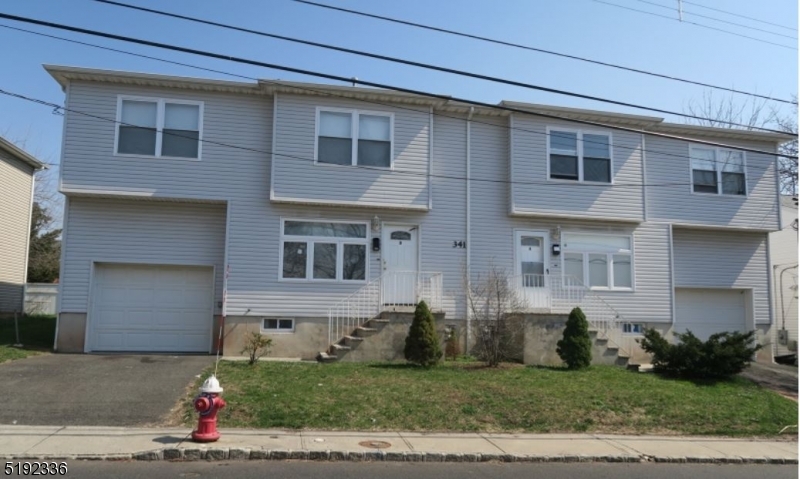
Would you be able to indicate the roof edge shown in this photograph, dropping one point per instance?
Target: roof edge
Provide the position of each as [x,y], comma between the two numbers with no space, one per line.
[21,154]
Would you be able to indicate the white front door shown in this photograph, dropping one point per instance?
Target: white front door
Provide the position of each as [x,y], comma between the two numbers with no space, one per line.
[531,268]
[400,258]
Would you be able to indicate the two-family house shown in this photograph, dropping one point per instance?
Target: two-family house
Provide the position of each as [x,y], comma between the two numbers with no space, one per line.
[303,210]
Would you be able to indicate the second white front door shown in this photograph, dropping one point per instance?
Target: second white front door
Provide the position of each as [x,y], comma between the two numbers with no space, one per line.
[531,268]
[399,256]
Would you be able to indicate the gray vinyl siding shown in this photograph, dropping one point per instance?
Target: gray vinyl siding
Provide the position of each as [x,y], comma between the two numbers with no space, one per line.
[236,134]
[534,193]
[297,176]
[670,198]
[136,231]
[783,249]
[717,259]
[493,233]
[16,179]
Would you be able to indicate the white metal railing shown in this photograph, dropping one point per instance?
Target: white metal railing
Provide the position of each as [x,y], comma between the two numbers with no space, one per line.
[389,291]
[560,293]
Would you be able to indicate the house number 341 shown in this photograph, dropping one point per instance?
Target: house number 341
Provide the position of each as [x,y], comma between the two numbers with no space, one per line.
[459,244]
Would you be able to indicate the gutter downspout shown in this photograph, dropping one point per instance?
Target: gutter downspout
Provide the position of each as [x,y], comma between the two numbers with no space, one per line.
[468,220]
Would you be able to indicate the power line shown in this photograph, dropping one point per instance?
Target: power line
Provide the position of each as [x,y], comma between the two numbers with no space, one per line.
[702,25]
[718,19]
[429,66]
[360,100]
[363,167]
[541,50]
[727,12]
[443,98]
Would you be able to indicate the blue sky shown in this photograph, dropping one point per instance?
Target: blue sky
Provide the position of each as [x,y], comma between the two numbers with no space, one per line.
[579,27]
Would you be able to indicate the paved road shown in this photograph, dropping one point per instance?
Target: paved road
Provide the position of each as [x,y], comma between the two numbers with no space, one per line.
[303,470]
[95,390]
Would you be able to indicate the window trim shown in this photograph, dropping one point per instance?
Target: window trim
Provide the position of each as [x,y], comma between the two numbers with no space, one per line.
[354,114]
[609,259]
[160,115]
[310,240]
[718,171]
[580,132]
[278,330]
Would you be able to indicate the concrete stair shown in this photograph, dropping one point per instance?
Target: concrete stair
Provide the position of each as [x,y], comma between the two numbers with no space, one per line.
[337,350]
[604,351]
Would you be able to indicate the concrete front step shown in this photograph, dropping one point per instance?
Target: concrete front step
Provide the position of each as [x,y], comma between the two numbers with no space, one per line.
[324,357]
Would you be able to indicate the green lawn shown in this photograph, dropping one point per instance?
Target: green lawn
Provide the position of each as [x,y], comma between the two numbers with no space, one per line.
[465,397]
[35,332]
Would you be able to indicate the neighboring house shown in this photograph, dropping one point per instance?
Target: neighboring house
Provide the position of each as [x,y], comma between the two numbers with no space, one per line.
[17,169]
[300,210]
[783,252]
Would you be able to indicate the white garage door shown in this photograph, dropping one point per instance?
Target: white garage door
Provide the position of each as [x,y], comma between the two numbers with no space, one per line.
[151,308]
[708,311]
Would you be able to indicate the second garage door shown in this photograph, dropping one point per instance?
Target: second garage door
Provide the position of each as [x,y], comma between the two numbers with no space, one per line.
[708,311]
[151,308]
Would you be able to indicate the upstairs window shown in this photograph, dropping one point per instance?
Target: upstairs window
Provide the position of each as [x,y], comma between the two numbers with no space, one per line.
[159,128]
[718,171]
[350,137]
[579,156]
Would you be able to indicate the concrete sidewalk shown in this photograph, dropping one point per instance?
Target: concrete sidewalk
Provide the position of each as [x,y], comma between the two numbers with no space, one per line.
[106,443]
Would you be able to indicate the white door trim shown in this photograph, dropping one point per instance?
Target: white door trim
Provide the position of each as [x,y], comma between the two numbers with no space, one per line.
[518,233]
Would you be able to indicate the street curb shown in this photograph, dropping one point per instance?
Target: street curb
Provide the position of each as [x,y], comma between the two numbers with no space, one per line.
[213,454]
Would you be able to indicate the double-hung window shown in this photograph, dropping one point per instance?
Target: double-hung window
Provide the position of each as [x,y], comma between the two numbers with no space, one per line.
[323,251]
[159,128]
[351,137]
[718,171]
[579,156]
[598,261]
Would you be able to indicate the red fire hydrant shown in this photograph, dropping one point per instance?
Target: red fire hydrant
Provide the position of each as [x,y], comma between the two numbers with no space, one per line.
[207,403]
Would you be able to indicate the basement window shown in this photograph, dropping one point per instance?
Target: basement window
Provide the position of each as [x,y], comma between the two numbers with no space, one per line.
[633,328]
[282,325]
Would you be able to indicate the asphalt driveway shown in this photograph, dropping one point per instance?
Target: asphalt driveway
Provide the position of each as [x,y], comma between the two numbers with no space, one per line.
[778,377]
[95,390]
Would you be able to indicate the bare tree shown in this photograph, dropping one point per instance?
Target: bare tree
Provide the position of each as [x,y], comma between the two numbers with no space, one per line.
[495,308]
[752,113]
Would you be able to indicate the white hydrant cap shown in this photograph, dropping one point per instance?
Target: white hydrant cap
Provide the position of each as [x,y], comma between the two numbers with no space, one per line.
[211,385]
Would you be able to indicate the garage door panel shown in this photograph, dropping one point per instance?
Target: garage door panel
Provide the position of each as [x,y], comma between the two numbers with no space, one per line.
[708,311]
[152,308]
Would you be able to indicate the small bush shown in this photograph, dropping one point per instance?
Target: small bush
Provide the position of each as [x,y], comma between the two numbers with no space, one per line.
[452,349]
[575,348]
[256,345]
[723,355]
[422,342]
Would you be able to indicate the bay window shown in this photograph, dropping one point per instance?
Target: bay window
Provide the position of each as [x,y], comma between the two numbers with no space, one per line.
[323,251]
[718,171]
[352,137]
[159,128]
[599,261]
[579,156]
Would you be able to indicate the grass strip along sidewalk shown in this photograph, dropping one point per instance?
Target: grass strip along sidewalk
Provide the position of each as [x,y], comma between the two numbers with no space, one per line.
[466,397]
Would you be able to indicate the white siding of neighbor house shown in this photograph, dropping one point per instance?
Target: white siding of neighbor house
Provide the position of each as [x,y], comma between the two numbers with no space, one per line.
[783,249]
[493,233]
[561,197]
[298,177]
[670,198]
[135,231]
[722,259]
[16,180]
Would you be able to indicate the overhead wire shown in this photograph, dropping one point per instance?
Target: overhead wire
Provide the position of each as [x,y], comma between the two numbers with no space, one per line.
[702,25]
[700,15]
[540,50]
[429,66]
[444,97]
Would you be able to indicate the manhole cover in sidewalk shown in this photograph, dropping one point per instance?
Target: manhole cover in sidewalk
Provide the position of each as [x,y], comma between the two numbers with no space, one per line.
[375,444]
